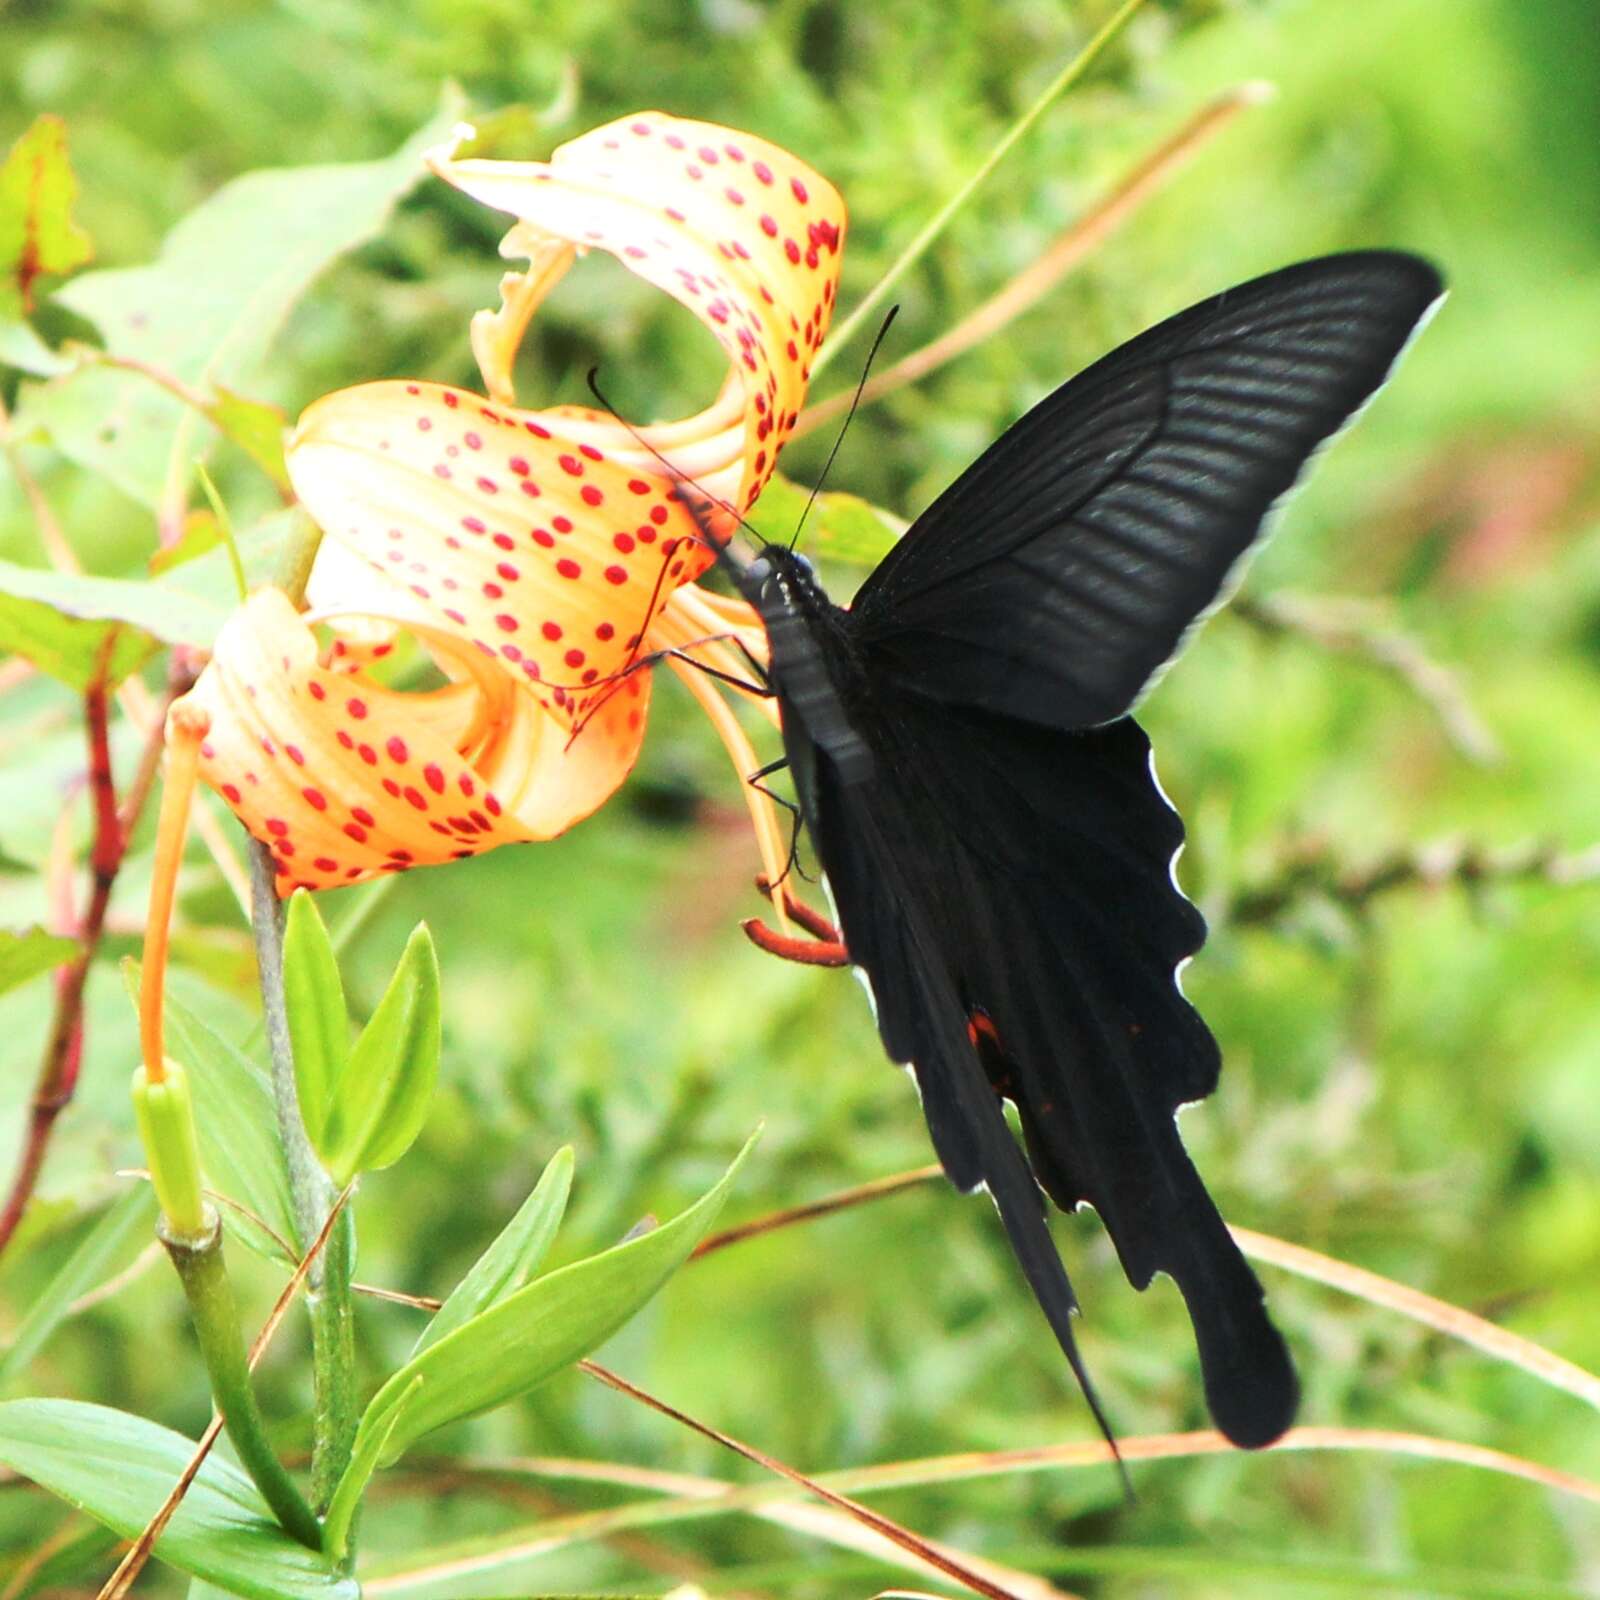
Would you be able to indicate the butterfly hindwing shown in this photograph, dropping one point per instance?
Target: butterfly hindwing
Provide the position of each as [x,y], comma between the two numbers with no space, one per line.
[1007,890]
[1057,575]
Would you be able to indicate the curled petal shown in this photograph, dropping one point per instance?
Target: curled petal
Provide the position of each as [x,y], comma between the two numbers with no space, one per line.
[739,231]
[544,553]
[345,778]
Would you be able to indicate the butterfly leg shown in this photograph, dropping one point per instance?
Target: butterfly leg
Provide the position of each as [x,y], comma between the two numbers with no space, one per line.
[825,948]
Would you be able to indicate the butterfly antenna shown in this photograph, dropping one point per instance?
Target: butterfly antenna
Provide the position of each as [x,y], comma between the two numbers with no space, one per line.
[855,400]
[675,473]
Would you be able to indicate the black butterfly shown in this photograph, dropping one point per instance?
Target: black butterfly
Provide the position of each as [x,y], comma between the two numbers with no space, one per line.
[984,807]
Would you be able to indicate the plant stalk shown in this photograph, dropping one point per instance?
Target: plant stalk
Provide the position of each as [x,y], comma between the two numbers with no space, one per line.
[204,1275]
[328,1296]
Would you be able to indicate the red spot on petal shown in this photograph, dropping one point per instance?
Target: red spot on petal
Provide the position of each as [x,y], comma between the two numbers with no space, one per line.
[591,495]
[315,798]
[356,708]
[506,623]
[414,798]
[396,747]
[568,568]
[617,575]
[433,776]
[551,631]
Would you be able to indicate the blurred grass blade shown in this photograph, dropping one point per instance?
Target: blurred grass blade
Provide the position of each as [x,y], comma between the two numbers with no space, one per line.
[514,1256]
[1440,1315]
[940,220]
[685,1498]
[130,1216]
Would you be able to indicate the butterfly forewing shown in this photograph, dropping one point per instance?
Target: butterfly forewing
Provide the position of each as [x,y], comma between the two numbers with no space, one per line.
[1057,575]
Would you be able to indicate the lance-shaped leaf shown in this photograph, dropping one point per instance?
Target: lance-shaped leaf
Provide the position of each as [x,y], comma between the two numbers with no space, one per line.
[531,1335]
[513,1258]
[319,1024]
[38,237]
[377,1104]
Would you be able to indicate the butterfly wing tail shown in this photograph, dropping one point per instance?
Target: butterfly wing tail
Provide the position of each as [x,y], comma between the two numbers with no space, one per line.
[954,1094]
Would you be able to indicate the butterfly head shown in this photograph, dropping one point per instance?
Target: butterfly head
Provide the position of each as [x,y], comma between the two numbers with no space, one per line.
[777,580]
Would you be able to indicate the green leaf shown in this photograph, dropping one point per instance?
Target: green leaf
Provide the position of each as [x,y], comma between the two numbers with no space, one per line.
[357,1474]
[319,1023]
[65,624]
[258,429]
[513,1258]
[22,348]
[207,310]
[378,1103]
[25,955]
[101,1252]
[120,1468]
[839,527]
[239,1145]
[201,532]
[38,237]
[535,1333]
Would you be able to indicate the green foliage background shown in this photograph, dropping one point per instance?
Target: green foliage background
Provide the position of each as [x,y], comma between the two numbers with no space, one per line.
[1413,1089]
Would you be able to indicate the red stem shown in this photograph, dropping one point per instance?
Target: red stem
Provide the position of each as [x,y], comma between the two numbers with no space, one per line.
[63,1055]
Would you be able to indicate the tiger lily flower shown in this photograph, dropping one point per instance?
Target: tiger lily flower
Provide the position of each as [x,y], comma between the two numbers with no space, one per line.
[539,558]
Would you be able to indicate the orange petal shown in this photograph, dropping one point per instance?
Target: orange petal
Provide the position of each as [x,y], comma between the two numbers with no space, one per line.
[345,778]
[742,233]
[544,553]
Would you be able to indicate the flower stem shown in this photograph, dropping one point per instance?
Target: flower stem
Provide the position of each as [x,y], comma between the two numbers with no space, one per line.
[328,1297]
[205,1282]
